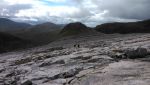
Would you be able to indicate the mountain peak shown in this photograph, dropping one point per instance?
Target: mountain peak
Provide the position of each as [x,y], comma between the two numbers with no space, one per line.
[76,25]
[74,29]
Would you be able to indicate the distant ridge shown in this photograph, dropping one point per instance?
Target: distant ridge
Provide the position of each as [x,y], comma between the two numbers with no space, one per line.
[45,27]
[7,25]
[42,33]
[130,27]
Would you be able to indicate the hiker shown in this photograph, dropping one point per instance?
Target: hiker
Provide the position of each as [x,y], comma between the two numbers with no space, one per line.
[76,46]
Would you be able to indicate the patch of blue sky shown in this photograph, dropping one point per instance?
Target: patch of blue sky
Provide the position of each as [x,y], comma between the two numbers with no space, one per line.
[51,3]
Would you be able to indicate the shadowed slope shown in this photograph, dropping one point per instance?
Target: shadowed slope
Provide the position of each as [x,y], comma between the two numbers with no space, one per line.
[9,42]
[7,25]
[131,27]
[74,29]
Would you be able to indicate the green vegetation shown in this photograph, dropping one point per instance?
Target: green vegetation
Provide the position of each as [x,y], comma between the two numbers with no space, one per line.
[124,28]
[74,29]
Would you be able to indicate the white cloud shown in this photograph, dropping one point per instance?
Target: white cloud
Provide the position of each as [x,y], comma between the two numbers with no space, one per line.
[58,11]
[10,2]
[38,10]
[99,16]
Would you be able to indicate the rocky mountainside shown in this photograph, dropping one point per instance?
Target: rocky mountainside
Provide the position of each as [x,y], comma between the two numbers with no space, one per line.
[100,59]
[131,27]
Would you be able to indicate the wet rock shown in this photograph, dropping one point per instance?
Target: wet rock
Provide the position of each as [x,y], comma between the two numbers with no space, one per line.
[27,82]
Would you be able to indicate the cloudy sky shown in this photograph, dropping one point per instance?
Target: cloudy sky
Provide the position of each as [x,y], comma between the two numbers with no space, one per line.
[90,12]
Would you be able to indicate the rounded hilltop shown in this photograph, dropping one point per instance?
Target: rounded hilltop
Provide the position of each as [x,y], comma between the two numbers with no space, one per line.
[74,29]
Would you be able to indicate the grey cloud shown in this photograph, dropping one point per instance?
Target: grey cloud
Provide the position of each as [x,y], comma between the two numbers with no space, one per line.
[10,10]
[118,10]
[127,9]
[81,13]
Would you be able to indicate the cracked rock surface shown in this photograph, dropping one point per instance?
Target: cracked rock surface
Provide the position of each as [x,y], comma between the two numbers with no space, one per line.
[100,60]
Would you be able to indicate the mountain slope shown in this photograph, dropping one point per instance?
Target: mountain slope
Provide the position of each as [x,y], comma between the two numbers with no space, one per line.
[132,27]
[41,34]
[74,29]
[40,38]
[45,27]
[9,42]
[7,25]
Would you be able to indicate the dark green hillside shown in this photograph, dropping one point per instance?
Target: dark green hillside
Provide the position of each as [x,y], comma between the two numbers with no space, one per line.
[9,42]
[74,29]
[7,25]
[131,27]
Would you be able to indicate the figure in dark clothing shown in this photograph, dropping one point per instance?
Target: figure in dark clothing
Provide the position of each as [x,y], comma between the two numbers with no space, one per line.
[76,46]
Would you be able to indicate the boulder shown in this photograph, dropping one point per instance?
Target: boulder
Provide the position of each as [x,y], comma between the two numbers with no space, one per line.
[138,53]
[130,53]
[27,82]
